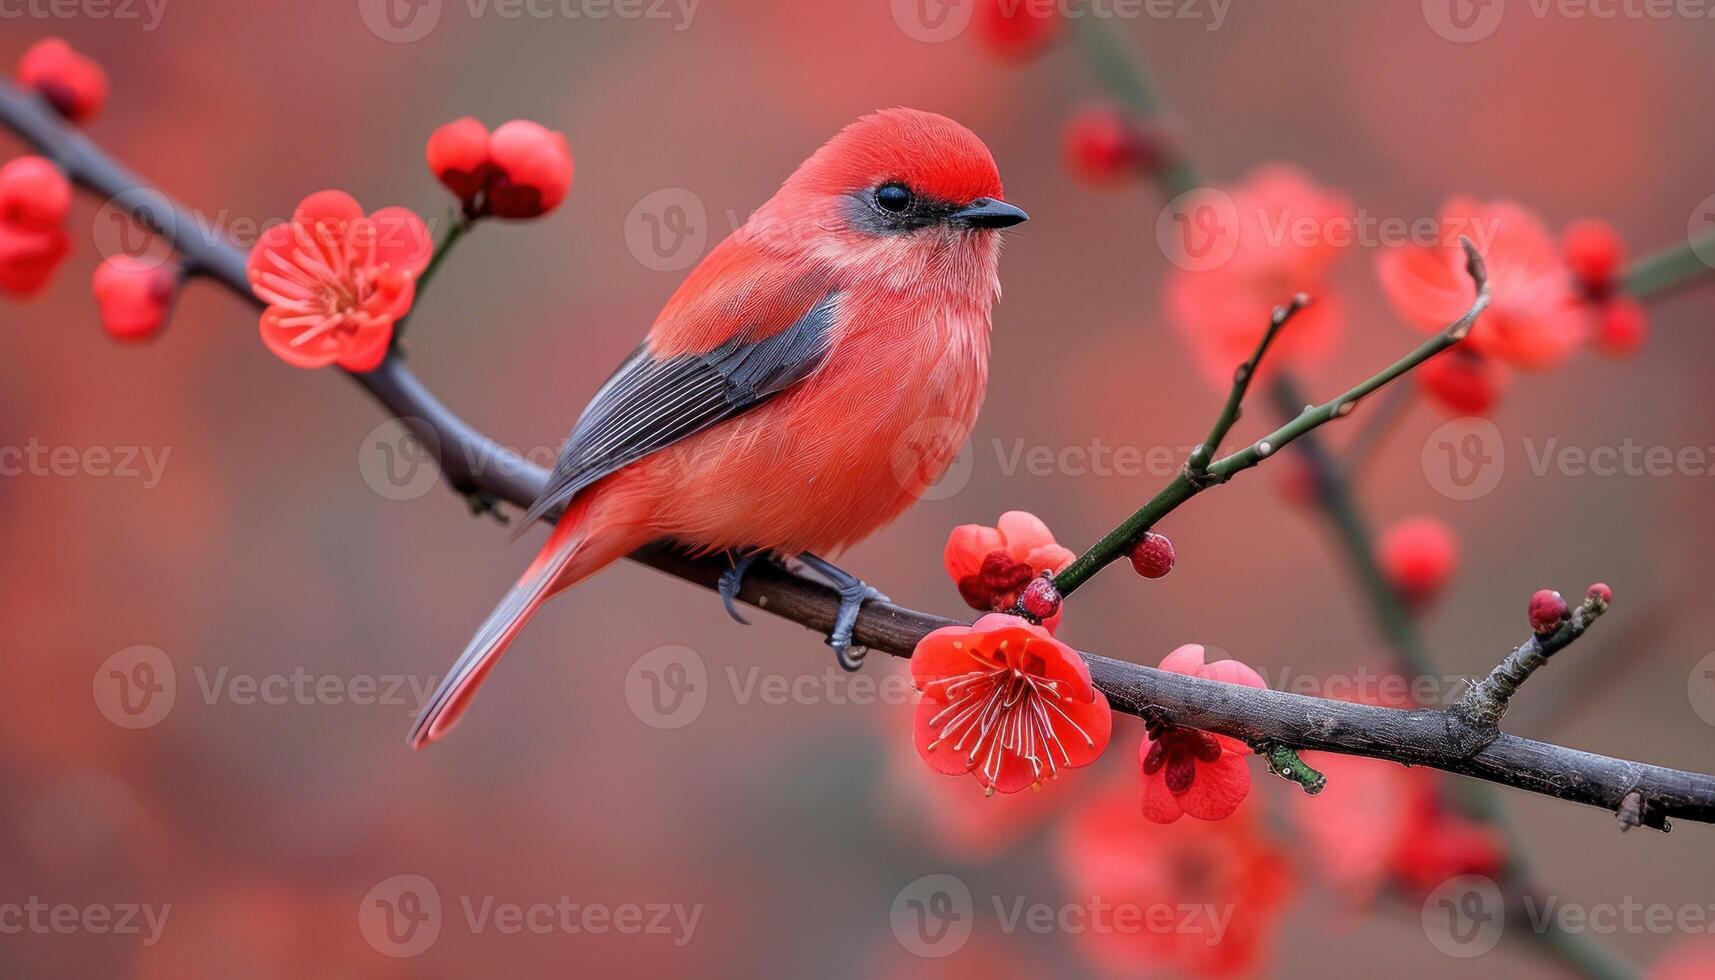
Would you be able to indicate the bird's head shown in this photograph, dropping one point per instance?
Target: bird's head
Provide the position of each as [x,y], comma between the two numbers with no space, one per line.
[901,188]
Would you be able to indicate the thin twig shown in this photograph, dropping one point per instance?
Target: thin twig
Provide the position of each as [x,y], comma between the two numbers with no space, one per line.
[1191,482]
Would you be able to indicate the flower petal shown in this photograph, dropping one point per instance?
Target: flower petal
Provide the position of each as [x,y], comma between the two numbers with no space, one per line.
[1023,532]
[1188,659]
[1218,789]
[1159,803]
[967,546]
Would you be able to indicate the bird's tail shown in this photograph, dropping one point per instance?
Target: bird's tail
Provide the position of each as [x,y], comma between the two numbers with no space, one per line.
[562,562]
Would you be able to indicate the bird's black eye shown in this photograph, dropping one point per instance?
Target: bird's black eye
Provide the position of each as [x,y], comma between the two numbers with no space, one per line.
[893,197]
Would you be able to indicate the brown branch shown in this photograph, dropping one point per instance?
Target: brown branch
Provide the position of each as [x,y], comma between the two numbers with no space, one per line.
[472,462]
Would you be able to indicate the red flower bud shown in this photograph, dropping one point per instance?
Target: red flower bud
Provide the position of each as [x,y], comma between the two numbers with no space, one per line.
[73,84]
[1418,556]
[458,157]
[1017,29]
[1152,555]
[521,170]
[135,295]
[1462,381]
[1103,147]
[34,195]
[1040,599]
[1622,326]
[1594,253]
[1547,609]
[535,170]
[1601,593]
[34,201]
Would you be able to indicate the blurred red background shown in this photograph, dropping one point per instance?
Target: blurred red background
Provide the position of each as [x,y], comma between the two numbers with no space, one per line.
[259,549]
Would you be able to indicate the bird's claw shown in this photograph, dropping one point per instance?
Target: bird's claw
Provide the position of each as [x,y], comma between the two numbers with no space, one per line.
[731,581]
[853,592]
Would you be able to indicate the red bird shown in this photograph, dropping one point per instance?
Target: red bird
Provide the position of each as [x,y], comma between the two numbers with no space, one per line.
[764,414]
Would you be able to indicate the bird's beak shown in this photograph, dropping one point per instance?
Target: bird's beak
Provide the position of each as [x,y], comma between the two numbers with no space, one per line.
[988,213]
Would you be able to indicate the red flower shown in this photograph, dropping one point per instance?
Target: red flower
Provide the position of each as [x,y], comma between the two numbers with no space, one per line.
[1103,147]
[1379,824]
[1017,29]
[991,565]
[135,295]
[34,201]
[521,170]
[1622,326]
[1186,771]
[1463,381]
[74,84]
[1006,702]
[1534,321]
[1227,868]
[1418,555]
[336,282]
[1240,252]
[1594,253]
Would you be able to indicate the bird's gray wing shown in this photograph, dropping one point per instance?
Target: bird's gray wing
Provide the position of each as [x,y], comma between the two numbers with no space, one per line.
[651,403]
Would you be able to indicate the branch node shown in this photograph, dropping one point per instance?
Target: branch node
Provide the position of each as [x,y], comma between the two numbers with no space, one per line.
[1636,811]
[1284,761]
[1475,719]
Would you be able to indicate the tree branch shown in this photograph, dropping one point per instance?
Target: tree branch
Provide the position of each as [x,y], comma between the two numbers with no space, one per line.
[473,462]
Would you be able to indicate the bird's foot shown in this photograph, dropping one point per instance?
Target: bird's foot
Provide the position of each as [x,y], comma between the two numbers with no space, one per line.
[854,592]
[482,502]
[733,579]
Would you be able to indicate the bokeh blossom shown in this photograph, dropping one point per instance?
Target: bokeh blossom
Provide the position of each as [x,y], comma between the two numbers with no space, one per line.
[336,282]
